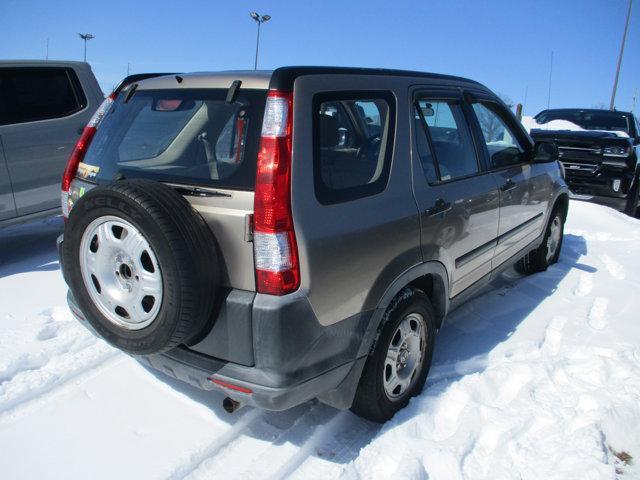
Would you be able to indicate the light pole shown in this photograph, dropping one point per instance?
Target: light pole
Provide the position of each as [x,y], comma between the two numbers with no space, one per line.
[259,20]
[85,37]
[624,38]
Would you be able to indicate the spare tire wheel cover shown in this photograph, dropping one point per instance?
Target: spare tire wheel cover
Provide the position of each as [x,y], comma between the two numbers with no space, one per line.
[142,265]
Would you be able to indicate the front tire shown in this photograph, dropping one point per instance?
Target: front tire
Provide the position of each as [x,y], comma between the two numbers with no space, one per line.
[397,368]
[547,253]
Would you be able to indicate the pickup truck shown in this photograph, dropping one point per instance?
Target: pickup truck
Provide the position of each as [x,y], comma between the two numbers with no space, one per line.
[599,150]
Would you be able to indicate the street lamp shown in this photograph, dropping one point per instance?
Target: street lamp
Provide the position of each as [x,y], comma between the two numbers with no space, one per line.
[85,37]
[259,20]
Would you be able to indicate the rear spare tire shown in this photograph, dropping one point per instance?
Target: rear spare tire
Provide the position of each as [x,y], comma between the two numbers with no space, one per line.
[142,265]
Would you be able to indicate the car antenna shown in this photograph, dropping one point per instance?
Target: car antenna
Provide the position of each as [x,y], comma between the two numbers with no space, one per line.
[232,94]
[130,93]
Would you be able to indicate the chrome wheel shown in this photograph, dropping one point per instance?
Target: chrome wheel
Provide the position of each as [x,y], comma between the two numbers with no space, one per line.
[555,235]
[121,273]
[404,356]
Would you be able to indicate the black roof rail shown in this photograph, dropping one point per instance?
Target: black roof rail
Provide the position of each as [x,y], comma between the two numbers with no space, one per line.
[284,77]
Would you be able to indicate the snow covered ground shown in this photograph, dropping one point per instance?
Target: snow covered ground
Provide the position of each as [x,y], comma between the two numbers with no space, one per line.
[538,378]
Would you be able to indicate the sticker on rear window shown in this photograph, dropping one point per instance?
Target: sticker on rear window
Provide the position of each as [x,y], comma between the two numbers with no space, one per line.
[87,171]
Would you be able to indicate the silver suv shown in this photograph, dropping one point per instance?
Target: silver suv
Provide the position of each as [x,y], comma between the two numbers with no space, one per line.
[44,106]
[301,233]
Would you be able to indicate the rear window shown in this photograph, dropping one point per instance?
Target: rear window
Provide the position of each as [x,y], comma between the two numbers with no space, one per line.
[181,136]
[589,120]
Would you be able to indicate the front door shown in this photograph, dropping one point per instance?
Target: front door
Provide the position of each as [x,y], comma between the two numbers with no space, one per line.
[458,201]
[524,188]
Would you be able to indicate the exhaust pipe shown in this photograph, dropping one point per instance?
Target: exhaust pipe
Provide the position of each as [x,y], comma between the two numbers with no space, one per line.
[230,405]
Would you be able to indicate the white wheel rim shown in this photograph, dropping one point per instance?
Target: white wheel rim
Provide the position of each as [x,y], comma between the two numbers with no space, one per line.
[121,273]
[404,356]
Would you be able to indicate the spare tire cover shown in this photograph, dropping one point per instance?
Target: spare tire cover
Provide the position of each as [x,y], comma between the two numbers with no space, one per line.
[142,265]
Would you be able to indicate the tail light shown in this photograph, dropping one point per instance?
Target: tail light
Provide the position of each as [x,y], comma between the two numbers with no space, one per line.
[274,241]
[80,150]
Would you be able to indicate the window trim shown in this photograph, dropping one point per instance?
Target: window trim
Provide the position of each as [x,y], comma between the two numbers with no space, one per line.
[76,89]
[456,96]
[329,196]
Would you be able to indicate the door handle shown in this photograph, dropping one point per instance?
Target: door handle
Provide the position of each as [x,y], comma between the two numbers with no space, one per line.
[508,186]
[439,207]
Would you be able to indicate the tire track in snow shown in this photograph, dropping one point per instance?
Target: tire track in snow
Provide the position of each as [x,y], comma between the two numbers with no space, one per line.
[25,400]
[200,455]
[262,448]
[319,436]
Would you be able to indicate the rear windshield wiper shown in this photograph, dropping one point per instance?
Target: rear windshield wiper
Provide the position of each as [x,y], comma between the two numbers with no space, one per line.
[198,192]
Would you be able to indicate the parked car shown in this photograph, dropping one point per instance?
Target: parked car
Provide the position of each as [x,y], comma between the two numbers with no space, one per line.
[600,156]
[302,233]
[44,106]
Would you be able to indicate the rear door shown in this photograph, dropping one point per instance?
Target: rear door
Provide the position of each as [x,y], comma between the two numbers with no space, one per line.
[356,221]
[45,113]
[458,201]
[524,186]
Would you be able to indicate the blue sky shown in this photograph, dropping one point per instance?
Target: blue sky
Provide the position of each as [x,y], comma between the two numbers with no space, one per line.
[504,44]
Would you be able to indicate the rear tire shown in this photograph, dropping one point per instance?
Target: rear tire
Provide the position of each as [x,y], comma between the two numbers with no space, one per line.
[547,253]
[397,368]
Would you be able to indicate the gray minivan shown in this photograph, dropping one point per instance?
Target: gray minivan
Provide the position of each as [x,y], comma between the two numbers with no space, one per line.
[302,233]
[44,106]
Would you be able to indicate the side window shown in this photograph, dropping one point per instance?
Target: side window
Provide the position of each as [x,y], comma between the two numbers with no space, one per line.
[31,94]
[502,145]
[450,137]
[353,139]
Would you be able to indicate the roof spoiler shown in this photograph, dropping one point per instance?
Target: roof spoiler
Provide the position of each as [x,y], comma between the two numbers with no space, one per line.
[136,77]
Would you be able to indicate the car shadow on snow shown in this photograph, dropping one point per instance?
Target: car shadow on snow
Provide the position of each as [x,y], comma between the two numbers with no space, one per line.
[477,327]
[468,335]
[30,247]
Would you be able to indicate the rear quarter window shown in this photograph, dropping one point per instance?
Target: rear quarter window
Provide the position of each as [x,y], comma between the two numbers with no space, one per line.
[353,143]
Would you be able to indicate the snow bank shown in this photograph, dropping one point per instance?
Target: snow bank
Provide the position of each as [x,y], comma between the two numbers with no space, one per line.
[537,378]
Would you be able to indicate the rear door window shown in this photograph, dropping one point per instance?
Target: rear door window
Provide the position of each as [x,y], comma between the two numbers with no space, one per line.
[31,94]
[353,138]
[450,137]
[182,136]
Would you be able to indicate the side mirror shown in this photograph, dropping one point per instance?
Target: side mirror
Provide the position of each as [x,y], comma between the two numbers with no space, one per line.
[545,152]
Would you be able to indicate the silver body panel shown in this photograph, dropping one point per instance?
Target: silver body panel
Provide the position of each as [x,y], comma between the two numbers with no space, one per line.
[229,218]
[36,152]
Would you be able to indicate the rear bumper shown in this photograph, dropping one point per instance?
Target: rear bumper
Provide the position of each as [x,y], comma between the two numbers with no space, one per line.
[292,358]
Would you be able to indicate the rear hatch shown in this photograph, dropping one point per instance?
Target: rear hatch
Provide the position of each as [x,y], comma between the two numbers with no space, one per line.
[198,143]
